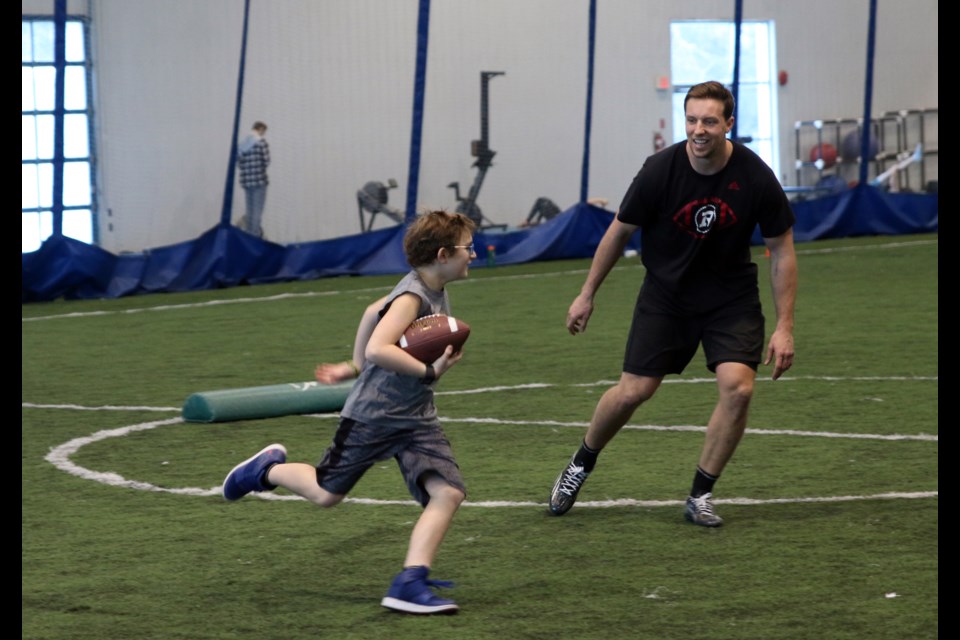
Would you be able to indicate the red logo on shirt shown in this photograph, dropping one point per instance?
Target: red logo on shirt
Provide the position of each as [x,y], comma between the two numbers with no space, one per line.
[700,216]
[733,186]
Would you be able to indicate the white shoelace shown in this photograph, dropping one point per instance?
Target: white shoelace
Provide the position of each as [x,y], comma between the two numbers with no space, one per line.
[573,478]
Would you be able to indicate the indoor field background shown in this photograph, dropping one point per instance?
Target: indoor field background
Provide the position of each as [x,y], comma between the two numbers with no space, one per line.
[334,80]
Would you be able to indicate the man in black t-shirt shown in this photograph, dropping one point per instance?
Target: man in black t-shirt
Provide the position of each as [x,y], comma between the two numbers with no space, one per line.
[696,204]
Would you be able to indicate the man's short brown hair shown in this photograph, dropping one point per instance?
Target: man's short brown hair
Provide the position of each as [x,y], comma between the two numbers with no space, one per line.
[712,90]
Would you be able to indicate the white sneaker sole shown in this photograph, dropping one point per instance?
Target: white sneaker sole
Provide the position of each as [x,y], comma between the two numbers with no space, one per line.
[412,607]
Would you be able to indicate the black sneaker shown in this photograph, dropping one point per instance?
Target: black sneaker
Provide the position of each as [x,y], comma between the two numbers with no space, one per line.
[700,511]
[566,488]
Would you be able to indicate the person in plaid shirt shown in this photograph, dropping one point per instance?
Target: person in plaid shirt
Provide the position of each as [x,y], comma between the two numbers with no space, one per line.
[253,157]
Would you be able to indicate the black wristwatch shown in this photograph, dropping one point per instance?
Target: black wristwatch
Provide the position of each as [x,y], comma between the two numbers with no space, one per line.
[429,376]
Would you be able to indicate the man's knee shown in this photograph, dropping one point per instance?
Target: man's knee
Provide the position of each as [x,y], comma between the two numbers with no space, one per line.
[735,383]
[633,390]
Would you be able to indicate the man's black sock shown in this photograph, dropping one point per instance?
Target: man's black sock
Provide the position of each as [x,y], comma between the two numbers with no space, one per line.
[702,483]
[586,457]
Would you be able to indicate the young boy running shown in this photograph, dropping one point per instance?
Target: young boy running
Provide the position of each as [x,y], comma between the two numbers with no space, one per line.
[390,413]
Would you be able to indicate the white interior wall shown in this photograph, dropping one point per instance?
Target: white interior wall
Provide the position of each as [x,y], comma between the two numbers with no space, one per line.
[333,80]
[166,81]
[46,8]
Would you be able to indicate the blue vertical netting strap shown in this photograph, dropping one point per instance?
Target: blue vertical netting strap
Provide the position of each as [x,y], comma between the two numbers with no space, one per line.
[60,64]
[585,167]
[865,131]
[227,210]
[419,90]
[735,89]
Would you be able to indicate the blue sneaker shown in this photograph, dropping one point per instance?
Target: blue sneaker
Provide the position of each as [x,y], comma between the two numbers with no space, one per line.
[410,593]
[249,475]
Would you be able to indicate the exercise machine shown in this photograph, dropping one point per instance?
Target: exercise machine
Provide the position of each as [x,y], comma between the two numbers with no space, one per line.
[479,149]
[372,198]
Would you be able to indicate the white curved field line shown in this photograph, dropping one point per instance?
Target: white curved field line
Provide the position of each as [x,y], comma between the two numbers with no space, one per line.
[59,456]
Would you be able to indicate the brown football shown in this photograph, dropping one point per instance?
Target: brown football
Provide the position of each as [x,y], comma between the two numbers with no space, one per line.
[427,337]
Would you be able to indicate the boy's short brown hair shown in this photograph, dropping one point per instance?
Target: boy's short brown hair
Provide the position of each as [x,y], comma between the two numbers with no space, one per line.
[431,231]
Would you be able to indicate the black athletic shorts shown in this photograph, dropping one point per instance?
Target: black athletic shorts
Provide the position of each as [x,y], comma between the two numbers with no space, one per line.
[357,447]
[661,343]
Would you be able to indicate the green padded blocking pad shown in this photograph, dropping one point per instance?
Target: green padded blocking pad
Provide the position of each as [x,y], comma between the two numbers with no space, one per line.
[266,402]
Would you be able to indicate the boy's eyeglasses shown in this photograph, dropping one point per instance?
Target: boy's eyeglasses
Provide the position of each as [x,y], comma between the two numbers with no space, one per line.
[468,247]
